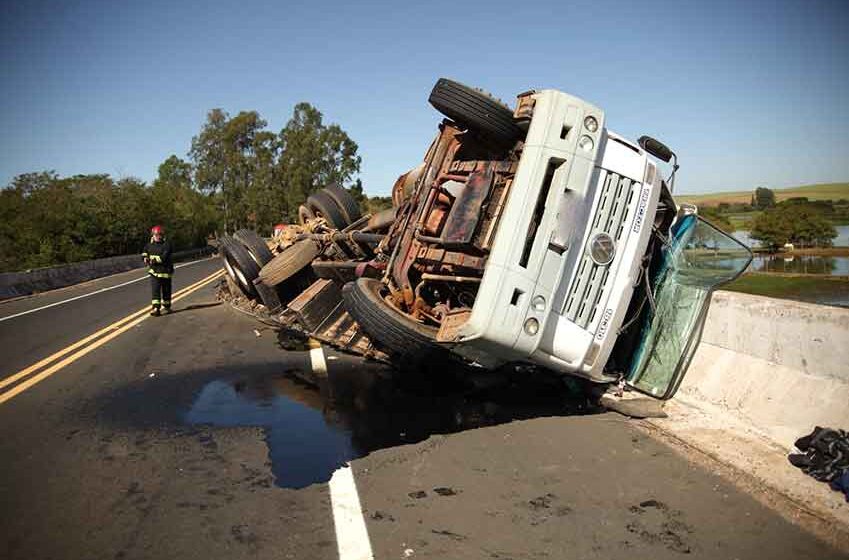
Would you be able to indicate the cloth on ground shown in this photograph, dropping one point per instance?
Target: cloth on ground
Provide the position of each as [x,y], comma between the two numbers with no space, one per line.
[825,456]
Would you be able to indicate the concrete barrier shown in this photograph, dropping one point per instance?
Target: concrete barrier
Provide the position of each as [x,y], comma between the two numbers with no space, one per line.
[15,284]
[766,372]
[782,365]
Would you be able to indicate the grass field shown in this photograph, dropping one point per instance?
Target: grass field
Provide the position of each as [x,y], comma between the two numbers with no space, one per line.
[824,191]
[833,290]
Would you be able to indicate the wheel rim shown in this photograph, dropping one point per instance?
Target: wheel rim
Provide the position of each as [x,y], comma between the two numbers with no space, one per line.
[230,269]
[241,276]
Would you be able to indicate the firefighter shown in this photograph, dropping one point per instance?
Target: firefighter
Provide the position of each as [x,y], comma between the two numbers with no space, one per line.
[157,256]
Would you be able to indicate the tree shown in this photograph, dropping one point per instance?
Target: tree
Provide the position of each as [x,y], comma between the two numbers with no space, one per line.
[313,155]
[795,222]
[224,161]
[714,216]
[189,216]
[764,198]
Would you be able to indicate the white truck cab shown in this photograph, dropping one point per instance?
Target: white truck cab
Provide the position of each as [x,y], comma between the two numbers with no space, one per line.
[570,245]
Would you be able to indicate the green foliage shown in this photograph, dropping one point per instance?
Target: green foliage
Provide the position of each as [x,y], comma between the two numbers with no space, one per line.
[312,155]
[258,178]
[239,175]
[764,198]
[802,287]
[717,218]
[793,221]
[47,220]
[377,203]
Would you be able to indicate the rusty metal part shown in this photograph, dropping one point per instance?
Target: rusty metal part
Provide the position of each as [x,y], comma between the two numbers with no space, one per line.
[486,242]
[524,106]
[380,221]
[353,237]
[463,218]
[313,305]
[440,151]
[448,278]
[451,259]
[358,224]
[449,327]
[405,185]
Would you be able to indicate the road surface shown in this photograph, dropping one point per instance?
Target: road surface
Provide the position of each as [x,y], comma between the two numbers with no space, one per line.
[100,458]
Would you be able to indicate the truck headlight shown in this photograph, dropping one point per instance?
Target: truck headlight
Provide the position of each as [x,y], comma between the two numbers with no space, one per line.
[532,326]
[591,124]
[586,143]
[538,303]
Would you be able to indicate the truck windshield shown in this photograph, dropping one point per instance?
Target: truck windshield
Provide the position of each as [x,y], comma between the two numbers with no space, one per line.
[699,258]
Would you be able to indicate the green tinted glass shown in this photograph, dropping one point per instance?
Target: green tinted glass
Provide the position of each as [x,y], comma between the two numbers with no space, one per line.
[699,259]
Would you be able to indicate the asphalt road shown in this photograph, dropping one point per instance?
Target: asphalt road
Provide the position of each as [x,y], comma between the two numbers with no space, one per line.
[97,460]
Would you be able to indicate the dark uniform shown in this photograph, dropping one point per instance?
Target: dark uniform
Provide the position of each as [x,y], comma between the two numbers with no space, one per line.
[161,269]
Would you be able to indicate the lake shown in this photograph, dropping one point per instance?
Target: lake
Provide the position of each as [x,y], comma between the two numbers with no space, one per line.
[805,264]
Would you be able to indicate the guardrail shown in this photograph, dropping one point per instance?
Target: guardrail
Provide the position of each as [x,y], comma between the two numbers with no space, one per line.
[16,284]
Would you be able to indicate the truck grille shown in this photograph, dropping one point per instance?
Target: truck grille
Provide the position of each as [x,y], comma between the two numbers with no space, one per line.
[591,279]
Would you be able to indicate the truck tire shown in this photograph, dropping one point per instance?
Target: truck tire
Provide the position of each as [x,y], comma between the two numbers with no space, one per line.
[292,260]
[346,202]
[304,214]
[475,109]
[255,245]
[323,206]
[239,265]
[396,333]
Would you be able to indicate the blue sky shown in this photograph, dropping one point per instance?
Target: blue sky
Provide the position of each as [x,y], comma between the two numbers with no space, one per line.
[747,93]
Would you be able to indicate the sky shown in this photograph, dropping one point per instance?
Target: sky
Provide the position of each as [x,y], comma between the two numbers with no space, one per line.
[747,93]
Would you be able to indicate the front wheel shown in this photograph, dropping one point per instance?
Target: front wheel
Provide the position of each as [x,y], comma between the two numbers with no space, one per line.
[394,331]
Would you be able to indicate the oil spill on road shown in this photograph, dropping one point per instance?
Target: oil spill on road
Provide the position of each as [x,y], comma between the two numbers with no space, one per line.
[313,427]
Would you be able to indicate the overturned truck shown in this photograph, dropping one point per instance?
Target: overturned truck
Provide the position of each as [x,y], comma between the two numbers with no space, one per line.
[526,237]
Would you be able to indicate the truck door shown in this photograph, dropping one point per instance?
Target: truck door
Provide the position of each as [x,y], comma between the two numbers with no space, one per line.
[698,260]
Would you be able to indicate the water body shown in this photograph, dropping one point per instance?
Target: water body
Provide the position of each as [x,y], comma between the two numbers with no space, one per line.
[800,264]
[313,430]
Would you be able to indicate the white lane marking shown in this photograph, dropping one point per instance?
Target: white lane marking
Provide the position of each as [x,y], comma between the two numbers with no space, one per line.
[352,540]
[91,293]
[319,366]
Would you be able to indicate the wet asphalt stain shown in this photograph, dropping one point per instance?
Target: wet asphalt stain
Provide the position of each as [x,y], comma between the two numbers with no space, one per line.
[655,523]
[313,426]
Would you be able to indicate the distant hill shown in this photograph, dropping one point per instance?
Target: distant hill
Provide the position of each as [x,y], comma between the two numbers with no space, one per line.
[823,191]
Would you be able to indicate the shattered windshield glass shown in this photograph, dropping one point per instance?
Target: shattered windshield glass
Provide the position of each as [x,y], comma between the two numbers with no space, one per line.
[699,258]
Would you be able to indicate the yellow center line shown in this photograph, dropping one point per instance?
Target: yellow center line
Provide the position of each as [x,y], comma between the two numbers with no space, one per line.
[116,329]
[40,364]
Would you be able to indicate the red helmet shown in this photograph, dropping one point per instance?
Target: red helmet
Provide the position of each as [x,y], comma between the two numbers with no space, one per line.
[157,229]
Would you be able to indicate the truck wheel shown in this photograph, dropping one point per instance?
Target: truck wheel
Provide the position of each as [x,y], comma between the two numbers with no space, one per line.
[292,260]
[398,334]
[255,246]
[239,265]
[304,214]
[474,109]
[325,207]
[346,202]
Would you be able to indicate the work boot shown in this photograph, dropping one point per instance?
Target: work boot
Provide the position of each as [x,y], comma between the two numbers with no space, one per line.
[155,311]
[166,310]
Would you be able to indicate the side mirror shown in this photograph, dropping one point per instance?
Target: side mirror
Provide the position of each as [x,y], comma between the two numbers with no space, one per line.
[656,148]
